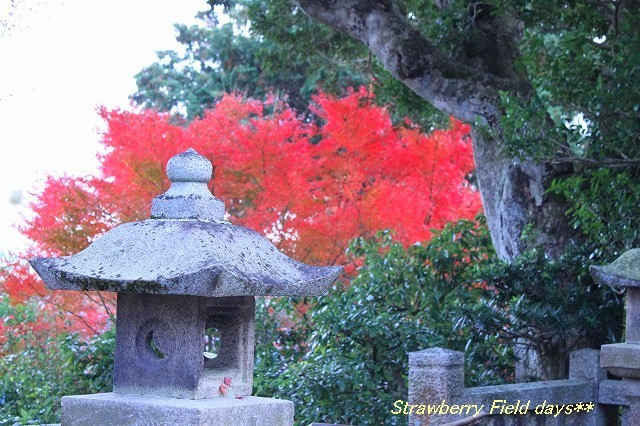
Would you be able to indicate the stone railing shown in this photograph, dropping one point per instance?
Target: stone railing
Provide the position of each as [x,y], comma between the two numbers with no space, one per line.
[437,395]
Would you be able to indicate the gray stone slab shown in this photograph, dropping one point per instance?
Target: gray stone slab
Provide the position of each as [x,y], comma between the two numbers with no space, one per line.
[186,281]
[138,410]
[569,391]
[610,392]
[159,345]
[585,364]
[436,357]
[435,375]
[621,359]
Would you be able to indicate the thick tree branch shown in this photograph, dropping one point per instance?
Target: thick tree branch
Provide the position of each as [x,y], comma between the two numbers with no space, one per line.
[590,162]
[449,85]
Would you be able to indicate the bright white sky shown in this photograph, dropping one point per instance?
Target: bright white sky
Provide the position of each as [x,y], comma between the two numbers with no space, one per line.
[61,61]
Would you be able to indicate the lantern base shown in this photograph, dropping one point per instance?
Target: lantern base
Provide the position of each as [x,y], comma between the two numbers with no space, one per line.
[123,409]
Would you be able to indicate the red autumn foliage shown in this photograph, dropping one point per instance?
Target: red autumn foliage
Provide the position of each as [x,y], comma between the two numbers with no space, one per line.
[311,188]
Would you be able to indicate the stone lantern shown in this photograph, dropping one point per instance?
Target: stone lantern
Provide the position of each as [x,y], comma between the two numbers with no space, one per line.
[186,281]
[623,359]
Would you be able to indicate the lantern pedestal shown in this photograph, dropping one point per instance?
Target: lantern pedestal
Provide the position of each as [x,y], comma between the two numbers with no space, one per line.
[125,410]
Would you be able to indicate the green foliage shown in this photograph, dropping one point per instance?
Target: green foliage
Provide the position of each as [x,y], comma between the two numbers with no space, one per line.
[580,59]
[343,357]
[584,66]
[36,370]
[346,361]
[603,206]
[333,61]
[551,303]
[330,59]
[282,51]
[224,58]
[402,300]
[452,28]
[282,332]
[583,109]
[403,103]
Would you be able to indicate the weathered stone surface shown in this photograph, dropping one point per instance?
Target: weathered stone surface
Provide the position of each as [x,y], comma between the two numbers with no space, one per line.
[173,365]
[159,345]
[233,317]
[436,357]
[624,271]
[137,410]
[184,277]
[621,359]
[188,197]
[610,392]
[435,375]
[189,257]
[585,364]
[632,313]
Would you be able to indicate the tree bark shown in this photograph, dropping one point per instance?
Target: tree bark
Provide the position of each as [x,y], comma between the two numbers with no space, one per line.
[513,197]
[455,88]
[513,191]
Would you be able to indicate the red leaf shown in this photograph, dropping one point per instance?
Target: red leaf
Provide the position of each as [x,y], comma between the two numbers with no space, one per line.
[309,188]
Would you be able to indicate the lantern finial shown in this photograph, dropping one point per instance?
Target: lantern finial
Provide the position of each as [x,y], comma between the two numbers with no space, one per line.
[189,197]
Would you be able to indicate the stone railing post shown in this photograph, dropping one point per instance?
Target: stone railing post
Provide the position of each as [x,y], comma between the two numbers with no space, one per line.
[585,364]
[623,359]
[435,375]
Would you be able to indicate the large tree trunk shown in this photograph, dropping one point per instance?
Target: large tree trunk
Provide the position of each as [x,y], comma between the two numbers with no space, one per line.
[468,88]
[513,197]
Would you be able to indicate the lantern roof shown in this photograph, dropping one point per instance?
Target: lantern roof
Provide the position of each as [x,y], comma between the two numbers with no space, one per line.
[624,271]
[186,248]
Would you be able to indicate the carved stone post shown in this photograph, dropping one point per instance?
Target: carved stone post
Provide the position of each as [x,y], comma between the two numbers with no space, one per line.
[435,375]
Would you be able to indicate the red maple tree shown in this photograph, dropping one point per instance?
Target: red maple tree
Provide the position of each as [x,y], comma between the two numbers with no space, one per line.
[310,187]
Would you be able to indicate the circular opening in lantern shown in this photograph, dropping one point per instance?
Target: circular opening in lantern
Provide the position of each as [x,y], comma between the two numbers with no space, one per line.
[156,342]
